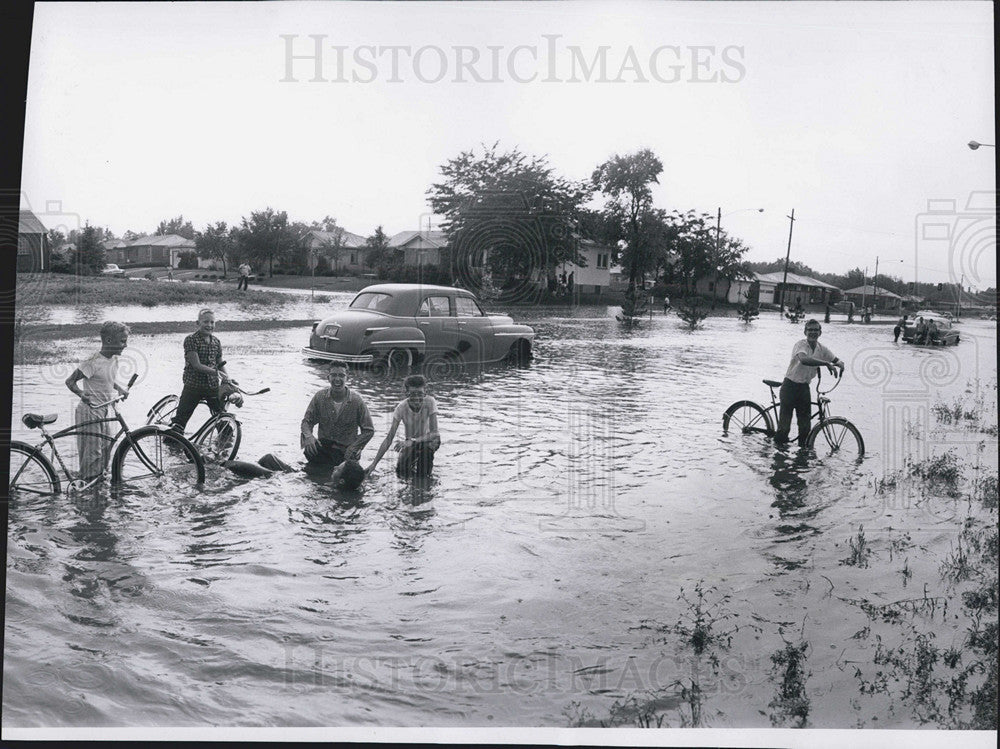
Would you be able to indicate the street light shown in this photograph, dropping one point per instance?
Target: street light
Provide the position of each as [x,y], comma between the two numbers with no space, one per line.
[974,145]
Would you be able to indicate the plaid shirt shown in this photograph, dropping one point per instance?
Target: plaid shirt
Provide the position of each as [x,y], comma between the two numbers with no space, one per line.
[209,351]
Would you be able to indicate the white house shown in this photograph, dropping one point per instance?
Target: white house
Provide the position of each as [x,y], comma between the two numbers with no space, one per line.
[420,248]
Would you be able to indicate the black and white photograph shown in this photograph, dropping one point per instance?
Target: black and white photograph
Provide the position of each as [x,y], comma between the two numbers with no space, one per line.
[617,373]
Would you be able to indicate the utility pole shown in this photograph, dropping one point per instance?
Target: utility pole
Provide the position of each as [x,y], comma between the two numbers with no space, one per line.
[875,281]
[784,281]
[960,284]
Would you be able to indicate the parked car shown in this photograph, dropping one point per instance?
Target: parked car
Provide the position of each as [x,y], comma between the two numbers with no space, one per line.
[406,324]
[947,333]
[112,270]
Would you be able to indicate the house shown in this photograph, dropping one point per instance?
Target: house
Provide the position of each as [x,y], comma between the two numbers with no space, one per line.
[33,252]
[765,288]
[869,296]
[342,249]
[598,275]
[157,250]
[421,248]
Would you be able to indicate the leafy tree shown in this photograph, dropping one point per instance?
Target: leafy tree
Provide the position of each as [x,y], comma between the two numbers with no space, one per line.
[89,256]
[377,252]
[333,247]
[56,239]
[129,235]
[176,226]
[629,214]
[266,236]
[507,213]
[215,243]
[188,260]
[749,309]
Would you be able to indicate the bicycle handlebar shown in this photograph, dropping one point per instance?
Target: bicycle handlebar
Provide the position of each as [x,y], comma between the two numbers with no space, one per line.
[119,397]
[819,381]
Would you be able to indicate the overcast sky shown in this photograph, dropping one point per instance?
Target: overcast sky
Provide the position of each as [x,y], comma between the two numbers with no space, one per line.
[855,115]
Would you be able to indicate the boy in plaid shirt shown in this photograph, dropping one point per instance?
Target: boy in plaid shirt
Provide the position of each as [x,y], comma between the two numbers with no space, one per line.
[203,368]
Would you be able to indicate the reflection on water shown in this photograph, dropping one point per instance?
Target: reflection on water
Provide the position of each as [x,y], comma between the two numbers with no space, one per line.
[571,499]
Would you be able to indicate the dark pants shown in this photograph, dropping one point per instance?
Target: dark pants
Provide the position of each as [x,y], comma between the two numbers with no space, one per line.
[191,396]
[244,283]
[793,396]
[328,457]
[416,459]
[895,334]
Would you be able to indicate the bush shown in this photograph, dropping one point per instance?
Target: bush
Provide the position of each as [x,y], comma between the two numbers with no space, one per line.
[187,261]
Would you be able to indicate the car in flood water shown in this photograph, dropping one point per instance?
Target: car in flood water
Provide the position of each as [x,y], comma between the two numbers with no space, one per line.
[406,324]
[946,335]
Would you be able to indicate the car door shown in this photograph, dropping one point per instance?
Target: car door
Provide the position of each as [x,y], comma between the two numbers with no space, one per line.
[475,330]
[435,319]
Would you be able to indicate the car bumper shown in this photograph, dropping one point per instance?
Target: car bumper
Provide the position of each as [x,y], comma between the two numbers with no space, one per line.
[312,353]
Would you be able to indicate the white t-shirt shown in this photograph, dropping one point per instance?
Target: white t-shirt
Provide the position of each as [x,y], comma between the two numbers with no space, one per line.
[799,372]
[416,423]
[100,373]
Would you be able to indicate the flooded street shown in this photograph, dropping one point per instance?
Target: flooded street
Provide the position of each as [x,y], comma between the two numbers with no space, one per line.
[578,505]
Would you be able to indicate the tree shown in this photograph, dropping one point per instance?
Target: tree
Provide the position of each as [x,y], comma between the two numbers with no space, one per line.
[56,239]
[749,309]
[266,236]
[627,181]
[89,256]
[129,235]
[176,226]
[691,311]
[507,214]
[377,252]
[215,243]
[333,247]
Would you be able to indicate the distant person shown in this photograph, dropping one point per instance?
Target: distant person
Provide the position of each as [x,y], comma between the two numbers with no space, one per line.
[345,424]
[920,333]
[244,282]
[99,375]
[900,326]
[826,317]
[808,355]
[418,414]
[933,334]
[850,311]
[666,304]
[204,369]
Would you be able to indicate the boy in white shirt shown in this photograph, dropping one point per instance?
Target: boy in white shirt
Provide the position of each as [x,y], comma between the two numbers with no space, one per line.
[98,374]
[418,414]
[808,356]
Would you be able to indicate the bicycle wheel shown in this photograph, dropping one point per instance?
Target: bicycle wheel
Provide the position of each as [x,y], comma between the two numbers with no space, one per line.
[163,410]
[219,438]
[838,437]
[155,458]
[30,472]
[748,417]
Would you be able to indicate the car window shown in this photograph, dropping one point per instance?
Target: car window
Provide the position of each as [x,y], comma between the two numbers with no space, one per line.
[434,306]
[468,307]
[372,300]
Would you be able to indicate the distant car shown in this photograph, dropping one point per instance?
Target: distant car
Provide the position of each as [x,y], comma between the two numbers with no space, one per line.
[112,270]
[947,334]
[406,324]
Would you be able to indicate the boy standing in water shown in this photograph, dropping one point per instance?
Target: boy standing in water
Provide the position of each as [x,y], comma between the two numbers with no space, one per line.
[345,425]
[203,368]
[808,356]
[418,413]
[98,374]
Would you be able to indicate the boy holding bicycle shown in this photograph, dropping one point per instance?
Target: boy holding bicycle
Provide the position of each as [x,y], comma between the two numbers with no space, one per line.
[808,355]
[203,368]
[98,376]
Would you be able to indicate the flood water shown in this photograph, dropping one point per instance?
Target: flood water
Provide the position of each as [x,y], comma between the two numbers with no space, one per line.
[572,501]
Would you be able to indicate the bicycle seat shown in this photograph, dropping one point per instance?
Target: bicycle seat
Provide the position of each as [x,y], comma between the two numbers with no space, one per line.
[772,383]
[33,421]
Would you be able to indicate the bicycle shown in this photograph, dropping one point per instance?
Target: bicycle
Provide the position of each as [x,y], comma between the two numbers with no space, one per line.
[142,458]
[218,439]
[830,435]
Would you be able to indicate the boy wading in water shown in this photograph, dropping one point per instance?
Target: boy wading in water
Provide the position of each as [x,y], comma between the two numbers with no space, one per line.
[418,413]
[203,368]
[345,425]
[98,374]
[808,356]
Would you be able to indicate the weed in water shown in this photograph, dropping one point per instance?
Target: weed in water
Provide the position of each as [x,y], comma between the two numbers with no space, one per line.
[860,551]
[790,705]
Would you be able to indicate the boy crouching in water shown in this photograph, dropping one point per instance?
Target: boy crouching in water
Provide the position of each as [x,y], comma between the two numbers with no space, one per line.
[418,413]
[98,374]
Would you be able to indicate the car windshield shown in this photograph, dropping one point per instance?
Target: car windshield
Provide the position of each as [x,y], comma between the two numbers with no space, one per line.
[372,300]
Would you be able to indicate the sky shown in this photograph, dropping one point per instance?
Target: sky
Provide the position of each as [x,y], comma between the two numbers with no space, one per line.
[855,115]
